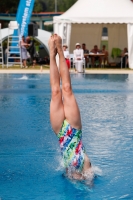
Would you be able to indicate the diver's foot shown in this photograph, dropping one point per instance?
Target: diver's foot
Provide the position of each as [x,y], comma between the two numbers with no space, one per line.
[58,43]
[52,48]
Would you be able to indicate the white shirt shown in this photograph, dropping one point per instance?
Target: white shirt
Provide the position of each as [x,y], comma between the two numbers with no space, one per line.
[66,54]
[78,53]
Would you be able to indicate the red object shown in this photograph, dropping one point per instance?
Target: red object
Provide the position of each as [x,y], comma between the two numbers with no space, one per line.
[68,63]
[69,132]
[61,139]
[78,148]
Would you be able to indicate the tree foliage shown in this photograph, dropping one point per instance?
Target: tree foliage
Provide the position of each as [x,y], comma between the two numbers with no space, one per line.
[7,6]
[40,6]
[49,5]
[11,6]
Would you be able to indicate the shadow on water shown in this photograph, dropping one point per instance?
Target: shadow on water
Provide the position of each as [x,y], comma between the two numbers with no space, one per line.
[100,83]
[109,77]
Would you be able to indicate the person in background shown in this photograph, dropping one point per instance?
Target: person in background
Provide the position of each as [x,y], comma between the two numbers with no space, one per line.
[124,55]
[24,56]
[78,57]
[6,53]
[105,57]
[86,51]
[66,55]
[95,50]
[31,50]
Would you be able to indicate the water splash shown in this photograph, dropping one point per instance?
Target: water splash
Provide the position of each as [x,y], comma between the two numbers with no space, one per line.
[61,164]
[87,182]
[24,77]
[97,171]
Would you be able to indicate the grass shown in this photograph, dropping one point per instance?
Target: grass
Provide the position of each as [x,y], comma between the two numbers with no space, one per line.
[37,67]
[46,67]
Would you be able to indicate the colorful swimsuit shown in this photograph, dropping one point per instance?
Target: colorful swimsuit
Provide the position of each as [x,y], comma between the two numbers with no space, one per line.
[72,149]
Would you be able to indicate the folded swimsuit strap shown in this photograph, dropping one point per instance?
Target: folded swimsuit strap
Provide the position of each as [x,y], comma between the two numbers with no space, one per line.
[72,149]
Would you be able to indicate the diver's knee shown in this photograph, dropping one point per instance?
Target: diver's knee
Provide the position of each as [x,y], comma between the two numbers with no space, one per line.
[55,92]
[67,88]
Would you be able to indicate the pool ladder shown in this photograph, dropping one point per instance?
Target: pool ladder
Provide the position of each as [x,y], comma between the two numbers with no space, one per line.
[13,45]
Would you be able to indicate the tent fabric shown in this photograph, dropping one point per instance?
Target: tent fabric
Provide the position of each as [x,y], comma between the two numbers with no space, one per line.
[117,39]
[43,37]
[91,35]
[130,45]
[116,16]
[99,11]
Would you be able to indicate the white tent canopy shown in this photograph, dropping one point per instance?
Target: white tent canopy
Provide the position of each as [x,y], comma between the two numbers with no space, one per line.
[84,22]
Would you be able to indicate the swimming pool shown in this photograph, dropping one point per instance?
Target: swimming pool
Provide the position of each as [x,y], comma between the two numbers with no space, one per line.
[30,162]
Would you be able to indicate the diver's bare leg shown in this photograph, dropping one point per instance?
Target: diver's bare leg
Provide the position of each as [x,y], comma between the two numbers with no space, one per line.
[56,106]
[71,109]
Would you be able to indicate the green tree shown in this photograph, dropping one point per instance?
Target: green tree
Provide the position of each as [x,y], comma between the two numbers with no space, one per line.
[11,6]
[65,4]
[62,5]
[7,6]
[40,6]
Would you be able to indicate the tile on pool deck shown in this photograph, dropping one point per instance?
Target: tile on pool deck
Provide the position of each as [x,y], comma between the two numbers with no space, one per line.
[88,71]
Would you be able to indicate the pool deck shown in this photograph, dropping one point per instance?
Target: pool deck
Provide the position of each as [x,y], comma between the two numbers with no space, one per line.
[46,71]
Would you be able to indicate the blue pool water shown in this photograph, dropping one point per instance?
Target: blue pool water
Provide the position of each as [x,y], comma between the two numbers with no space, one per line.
[30,161]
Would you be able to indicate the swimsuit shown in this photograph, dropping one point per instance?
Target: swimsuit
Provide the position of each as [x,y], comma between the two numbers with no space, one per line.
[72,149]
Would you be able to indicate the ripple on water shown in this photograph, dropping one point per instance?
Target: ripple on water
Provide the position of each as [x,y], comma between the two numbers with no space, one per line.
[30,160]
